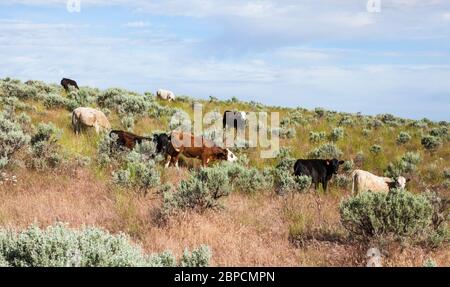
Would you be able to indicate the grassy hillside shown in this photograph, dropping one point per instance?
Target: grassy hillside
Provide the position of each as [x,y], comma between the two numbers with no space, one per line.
[251,228]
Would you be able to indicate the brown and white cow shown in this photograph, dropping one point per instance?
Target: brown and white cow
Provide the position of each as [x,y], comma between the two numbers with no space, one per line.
[195,147]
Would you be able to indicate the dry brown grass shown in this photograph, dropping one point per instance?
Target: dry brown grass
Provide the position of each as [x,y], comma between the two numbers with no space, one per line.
[249,231]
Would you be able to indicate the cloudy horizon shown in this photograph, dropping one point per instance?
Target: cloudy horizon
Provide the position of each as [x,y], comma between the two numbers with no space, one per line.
[324,53]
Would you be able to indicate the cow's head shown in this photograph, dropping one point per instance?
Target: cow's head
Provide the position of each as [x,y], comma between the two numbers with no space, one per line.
[333,165]
[400,182]
[230,156]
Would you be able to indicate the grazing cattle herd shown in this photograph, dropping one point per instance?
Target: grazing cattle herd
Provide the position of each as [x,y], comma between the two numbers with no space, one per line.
[172,145]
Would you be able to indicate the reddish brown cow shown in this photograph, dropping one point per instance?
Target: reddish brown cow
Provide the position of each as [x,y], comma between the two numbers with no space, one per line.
[127,139]
[195,147]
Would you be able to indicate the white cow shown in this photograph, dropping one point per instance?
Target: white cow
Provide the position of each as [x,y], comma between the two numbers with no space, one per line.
[89,117]
[365,181]
[165,95]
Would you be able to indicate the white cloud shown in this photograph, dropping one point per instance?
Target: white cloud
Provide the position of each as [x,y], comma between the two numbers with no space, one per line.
[137,24]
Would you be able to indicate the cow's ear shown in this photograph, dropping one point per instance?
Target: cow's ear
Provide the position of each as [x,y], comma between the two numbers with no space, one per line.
[341,162]
[408,180]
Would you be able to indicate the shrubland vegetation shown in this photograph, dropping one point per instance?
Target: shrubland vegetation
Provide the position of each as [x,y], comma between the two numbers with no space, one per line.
[253,204]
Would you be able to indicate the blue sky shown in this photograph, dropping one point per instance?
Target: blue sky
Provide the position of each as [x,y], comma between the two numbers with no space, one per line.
[313,53]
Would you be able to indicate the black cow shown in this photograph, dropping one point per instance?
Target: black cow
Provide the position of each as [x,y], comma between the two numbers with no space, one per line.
[235,120]
[66,82]
[162,142]
[320,170]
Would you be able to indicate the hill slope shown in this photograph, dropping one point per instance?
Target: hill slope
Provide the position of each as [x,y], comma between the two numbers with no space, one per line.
[65,182]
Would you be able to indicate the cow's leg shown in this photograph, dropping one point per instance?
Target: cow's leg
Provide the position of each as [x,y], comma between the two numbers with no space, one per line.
[316,185]
[168,160]
[324,184]
[205,161]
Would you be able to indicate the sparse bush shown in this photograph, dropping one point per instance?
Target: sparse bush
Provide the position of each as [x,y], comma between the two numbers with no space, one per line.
[12,137]
[287,133]
[14,88]
[197,258]
[316,137]
[200,192]
[124,102]
[57,101]
[342,181]
[375,124]
[403,138]
[326,151]
[140,168]
[431,142]
[389,120]
[346,121]
[376,149]
[366,132]
[440,132]
[244,178]
[446,173]
[128,122]
[396,215]
[336,134]
[59,246]
[407,164]
[44,150]
[429,263]
[348,165]
[320,112]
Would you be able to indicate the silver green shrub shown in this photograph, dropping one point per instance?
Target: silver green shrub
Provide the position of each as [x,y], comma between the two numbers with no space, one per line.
[124,102]
[200,192]
[44,150]
[15,88]
[431,143]
[328,150]
[197,258]
[407,164]
[397,215]
[440,132]
[284,179]
[346,121]
[336,134]
[376,149]
[403,138]
[348,166]
[139,169]
[316,137]
[60,246]
[342,181]
[12,137]
[127,122]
